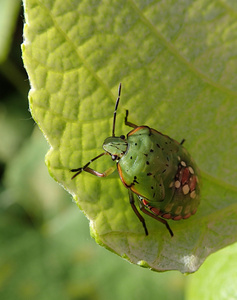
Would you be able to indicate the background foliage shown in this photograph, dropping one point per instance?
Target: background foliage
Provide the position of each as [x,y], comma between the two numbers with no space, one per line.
[46,251]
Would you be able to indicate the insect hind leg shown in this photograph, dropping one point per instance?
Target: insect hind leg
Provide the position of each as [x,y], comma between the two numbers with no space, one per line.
[145,211]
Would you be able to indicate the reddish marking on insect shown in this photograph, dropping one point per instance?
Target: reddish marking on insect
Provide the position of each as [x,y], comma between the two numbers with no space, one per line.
[177,218]
[155,210]
[187,216]
[185,174]
[193,182]
[167,216]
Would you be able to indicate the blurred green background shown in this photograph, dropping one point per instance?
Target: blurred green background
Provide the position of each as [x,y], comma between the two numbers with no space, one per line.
[46,250]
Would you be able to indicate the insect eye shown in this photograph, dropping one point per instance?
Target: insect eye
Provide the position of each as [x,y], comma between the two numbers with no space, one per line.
[114,157]
[122,137]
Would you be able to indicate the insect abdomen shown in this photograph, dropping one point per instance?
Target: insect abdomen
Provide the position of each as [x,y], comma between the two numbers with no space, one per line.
[160,170]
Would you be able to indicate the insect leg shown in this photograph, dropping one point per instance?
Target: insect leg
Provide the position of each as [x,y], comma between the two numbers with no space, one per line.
[99,174]
[142,208]
[91,171]
[132,202]
[183,140]
[129,123]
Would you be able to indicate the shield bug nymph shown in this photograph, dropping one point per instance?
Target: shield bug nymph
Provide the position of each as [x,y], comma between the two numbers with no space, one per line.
[155,168]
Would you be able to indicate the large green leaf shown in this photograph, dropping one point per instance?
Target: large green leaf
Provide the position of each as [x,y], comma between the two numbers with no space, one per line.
[217,278]
[177,63]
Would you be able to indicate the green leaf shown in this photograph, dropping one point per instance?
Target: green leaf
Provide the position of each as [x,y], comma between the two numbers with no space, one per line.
[177,64]
[217,278]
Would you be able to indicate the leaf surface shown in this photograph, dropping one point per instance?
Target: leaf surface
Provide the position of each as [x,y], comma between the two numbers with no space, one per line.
[177,63]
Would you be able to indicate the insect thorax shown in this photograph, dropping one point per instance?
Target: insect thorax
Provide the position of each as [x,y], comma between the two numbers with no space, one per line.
[148,161]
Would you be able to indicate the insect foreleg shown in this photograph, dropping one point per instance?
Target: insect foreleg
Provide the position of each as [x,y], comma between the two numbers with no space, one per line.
[99,174]
[91,171]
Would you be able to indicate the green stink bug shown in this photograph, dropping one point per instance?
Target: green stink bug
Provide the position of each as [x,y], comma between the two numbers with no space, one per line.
[155,168]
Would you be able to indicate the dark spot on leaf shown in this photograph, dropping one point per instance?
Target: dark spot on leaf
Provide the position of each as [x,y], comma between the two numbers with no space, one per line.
[158,145]
[151,150]
[147,162]
[149,174]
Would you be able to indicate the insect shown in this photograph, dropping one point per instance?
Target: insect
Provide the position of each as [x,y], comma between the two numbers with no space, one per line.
[155,169]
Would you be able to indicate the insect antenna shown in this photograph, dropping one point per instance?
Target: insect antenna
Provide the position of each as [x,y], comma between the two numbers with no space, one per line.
[115,110]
